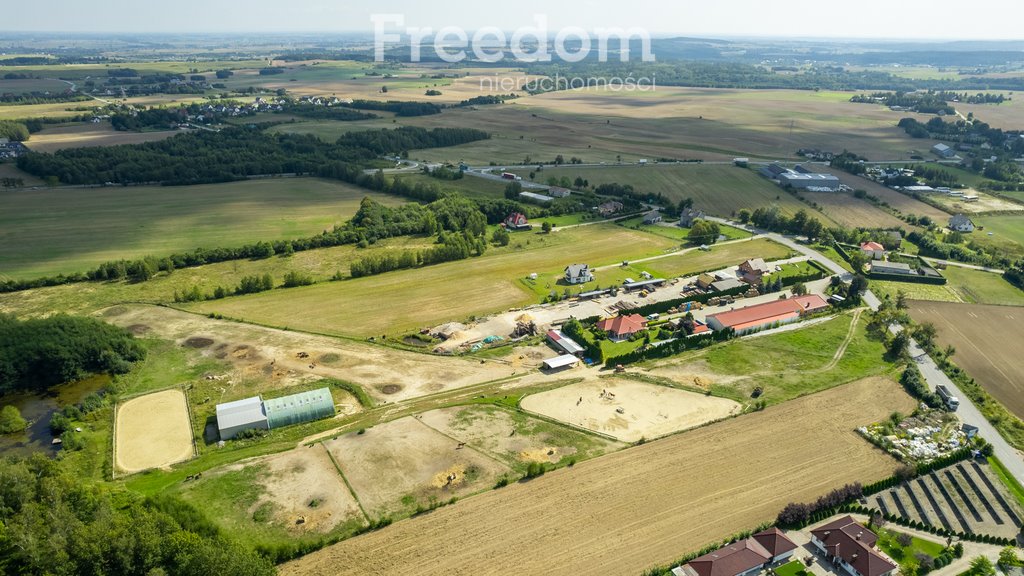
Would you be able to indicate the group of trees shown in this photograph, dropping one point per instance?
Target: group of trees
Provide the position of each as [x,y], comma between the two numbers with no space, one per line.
[450,246]
[774,220]
[39,353]
[704,232]
[151,118]
[232,154]
[52,522]
[923,102]
[14,131]
[797,515]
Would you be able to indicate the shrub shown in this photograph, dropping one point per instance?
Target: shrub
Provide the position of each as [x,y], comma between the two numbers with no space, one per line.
[11,420]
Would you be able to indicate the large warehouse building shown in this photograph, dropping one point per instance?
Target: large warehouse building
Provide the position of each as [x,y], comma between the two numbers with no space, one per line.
[258,414]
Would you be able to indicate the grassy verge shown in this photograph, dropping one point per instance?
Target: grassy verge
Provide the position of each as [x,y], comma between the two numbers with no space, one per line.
[1012,484]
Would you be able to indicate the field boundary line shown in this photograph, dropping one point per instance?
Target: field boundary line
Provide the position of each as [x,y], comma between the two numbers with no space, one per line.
[188,413]
[113,442]
[479,451]
[341,473]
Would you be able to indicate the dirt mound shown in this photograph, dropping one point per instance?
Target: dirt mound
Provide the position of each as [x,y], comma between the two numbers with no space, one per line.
[198,342]
[115,311]
[390,389]
[546,454]
[138,329]
[329,358]
[245,352]
[453,476]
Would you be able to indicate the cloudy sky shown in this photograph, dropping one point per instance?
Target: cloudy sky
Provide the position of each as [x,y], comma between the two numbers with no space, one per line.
[891,19]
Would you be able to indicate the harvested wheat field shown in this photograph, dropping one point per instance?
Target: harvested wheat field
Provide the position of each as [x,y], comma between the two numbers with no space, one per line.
[627,410]
[401,464]
[624,512]
[992,356]
[153,431]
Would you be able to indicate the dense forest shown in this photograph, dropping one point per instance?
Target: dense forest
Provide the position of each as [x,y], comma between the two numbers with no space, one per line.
[52,522]
[231,154]
[37,354]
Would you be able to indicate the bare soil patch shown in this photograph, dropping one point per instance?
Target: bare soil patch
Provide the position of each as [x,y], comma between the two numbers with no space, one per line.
[250,349]
[629,410]
[198,342]
[514,438]
[307,493]
[153,431]
[400,464]
[624,512]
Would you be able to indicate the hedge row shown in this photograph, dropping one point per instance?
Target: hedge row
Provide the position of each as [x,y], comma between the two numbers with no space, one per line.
[912,278]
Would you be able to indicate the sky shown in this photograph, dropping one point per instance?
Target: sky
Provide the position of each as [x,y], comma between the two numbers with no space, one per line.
[888,19]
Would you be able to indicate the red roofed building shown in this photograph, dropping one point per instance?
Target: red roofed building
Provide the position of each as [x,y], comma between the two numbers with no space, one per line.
[622,327]
[744,558]
[873,249]
[852,547]
[768,314]
[517,221]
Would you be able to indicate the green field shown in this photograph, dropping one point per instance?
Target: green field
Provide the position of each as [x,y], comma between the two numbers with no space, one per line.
[793,363]
[468,186]
[401,301]
[965,285]
[397,302]
[670,229]
[905,556]
[62,230]
[1007,233]
[718,190]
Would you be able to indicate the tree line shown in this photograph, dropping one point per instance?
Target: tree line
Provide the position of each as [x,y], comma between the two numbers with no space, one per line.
[39,353]
[230,154]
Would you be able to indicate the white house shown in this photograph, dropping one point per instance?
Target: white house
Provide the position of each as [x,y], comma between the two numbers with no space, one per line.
[578,274]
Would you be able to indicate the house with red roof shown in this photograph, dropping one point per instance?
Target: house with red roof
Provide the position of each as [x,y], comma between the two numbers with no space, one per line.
[622,327]
[873,250]
[851,546]
[753,271]
[744,558]
[767,315]
[517,221]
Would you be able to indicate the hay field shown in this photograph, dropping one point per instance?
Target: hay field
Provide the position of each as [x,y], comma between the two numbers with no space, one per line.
[989,342]
[50,231]
[648,411]
[851,212]
[90,135]
[716,189]
[624,512]
[400,301]
[153,431]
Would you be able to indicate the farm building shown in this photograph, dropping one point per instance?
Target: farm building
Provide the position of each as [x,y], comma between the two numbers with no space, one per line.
[578,274]
[241,415]
[652,217]
[768,314]
[891,268]
[622,327]
[961,223]
[773,171]
[538,198]
[644,284]
[258,414]
[517,221]
[744,558]
[560,362]
[810,181]
[873,250]
[725,285]
[559,192]
[563,343]
[753,271]
[688,216]
[852,546]
[299,408]
[704,281]
[943,151]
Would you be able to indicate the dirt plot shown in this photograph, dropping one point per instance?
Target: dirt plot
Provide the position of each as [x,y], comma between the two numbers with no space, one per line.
[513,437]
[628,410]
[989,342]
[306,492]
[850,211]
[403,463]
[253,350]
[622,513]
[153,431]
